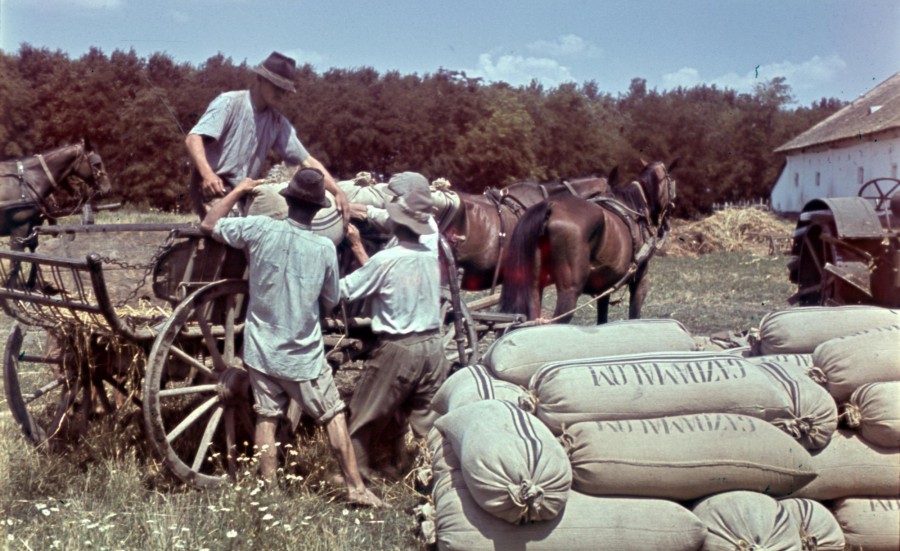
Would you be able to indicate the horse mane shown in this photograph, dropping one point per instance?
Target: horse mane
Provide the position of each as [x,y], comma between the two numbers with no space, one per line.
[519,260]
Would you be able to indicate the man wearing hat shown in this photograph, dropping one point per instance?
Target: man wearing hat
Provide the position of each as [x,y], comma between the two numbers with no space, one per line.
[231,140]
[408,365]
[398,186]
[292,271]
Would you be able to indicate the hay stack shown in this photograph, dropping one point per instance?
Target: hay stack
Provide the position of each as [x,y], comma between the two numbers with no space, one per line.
[728,230]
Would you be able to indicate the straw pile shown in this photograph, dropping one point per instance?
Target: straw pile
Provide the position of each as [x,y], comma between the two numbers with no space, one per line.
[729,230]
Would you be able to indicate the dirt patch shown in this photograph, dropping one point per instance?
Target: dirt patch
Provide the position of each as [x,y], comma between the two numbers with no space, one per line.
[730,230]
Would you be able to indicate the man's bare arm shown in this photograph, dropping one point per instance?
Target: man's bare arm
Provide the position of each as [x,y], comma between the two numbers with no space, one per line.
[223,207]
[211,185]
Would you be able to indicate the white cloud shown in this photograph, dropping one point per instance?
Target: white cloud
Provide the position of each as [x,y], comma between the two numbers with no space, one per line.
[567,45]
[806,76]
[519,70]
[302,57]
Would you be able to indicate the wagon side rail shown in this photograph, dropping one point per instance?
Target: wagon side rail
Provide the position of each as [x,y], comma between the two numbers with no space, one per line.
[49,292]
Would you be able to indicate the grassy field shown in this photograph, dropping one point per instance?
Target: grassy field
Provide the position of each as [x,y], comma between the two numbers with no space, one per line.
[107,492]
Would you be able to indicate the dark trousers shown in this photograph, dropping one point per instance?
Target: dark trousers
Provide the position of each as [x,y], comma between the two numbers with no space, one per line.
[402,376]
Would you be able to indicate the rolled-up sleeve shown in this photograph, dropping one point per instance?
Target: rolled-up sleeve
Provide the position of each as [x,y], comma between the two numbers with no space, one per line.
[288,145]
[214,120]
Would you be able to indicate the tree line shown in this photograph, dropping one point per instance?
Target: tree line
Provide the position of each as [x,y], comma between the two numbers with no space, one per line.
[444,124]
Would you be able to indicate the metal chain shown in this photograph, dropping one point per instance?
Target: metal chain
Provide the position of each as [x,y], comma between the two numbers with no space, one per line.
[147,267]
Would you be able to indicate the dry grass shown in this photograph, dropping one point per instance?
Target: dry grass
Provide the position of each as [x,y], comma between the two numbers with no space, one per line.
[729,230]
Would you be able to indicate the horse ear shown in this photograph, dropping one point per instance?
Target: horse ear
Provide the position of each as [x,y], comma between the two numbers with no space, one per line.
[87,143]
[643,163]
[613,179]
[672,165]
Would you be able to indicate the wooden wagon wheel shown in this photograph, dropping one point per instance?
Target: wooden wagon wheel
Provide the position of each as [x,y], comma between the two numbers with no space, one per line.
[40,391]
[197,400]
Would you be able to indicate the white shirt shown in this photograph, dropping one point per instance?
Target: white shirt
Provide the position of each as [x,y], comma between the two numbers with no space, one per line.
[242,137]
[404,283]
[290,269]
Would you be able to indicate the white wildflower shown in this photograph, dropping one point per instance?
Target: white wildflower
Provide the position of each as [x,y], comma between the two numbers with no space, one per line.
[231,534]
[268,516]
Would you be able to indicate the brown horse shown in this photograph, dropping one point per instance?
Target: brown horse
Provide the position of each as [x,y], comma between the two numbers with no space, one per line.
[27,186]
[588,246]
[478,230]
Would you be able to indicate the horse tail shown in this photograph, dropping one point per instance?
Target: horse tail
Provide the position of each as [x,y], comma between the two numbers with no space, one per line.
[520,260]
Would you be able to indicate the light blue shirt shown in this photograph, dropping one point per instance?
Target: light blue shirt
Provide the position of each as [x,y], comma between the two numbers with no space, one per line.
[241,137]
[291,268]
[404,283]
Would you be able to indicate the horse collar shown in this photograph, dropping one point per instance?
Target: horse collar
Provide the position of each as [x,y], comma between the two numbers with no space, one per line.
[47,172]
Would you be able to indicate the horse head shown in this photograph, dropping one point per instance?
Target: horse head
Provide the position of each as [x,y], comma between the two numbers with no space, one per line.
[88,166]
[659,189]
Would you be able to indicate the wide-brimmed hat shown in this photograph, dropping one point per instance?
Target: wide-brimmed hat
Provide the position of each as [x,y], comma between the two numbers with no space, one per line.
[278,69]
[412,209]
[307,186]
[402,182]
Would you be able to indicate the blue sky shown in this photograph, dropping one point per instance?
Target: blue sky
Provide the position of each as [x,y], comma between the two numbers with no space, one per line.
[825,48]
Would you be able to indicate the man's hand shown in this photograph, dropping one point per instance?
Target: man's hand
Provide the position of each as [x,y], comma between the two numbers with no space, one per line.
[247,185]
[212,186]
[353,235]
[343,206]
[358,211]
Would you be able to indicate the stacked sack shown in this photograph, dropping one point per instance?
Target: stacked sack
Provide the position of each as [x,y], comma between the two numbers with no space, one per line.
[657,430]
[853,353]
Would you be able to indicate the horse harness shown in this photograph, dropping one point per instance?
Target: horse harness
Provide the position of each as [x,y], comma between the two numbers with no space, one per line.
[502,197]
[29,195]
[644,241]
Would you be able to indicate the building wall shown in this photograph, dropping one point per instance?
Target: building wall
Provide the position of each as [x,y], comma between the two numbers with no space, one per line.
[834,172]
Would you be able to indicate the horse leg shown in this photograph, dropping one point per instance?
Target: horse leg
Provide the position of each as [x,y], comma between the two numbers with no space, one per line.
[603,310]
[638,288]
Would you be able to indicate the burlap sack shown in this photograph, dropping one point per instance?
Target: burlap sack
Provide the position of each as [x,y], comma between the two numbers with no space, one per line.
[267,201]
[747,521]
[801,330]
[513,466]
[871,356]
[443,458]
[363,190]
[869,524]
[814,415]
[796,364]
[643,386]
[515,356]
[586,524]
[445,204]
[472,384]
[849,466]
[874,412]
[685,457]
[819,531]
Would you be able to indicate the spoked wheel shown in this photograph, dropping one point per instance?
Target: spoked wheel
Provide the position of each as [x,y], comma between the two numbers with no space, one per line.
[449,333]
[40,391]
[879,191]
[197,403]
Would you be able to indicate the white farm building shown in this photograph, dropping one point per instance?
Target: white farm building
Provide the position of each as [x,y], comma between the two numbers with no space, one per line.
[837,156]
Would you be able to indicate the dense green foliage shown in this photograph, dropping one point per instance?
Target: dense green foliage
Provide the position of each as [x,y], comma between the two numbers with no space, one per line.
[443,124]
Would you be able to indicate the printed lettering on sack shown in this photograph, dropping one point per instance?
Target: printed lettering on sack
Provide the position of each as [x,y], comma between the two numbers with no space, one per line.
[656,374]
[681,425]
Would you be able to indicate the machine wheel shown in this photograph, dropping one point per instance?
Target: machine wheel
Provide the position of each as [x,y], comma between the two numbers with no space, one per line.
[812,250]
[40,391]
[879,192]
[197,402]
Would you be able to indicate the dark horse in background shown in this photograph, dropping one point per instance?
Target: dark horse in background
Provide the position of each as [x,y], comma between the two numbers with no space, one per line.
[479,230]
[591,246]
[27,186]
